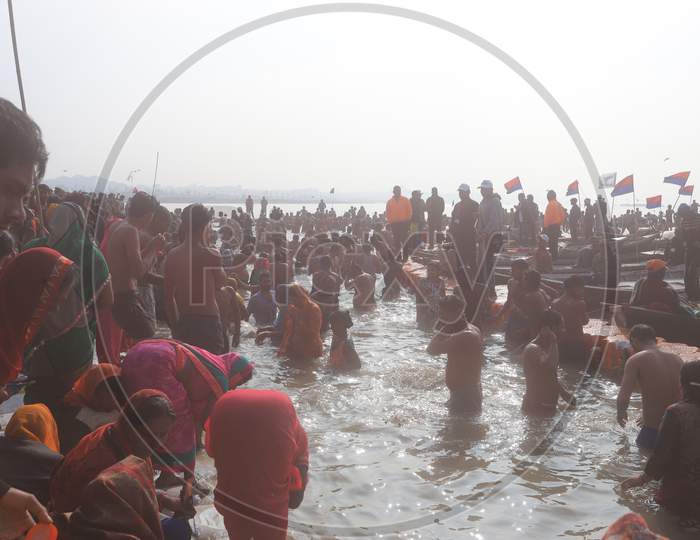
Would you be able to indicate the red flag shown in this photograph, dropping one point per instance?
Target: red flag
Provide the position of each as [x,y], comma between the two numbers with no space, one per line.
[686,190]
[678,179]
[572,189]
[654,202]
[624,186]
[513,185]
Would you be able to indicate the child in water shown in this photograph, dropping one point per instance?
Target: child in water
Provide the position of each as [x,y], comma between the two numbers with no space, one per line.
[343,353]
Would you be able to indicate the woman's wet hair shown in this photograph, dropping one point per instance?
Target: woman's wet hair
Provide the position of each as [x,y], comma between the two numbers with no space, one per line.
[690,381]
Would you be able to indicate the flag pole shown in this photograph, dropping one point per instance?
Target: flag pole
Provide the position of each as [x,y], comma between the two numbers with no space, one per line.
[20,84]
[155,175]
[677,198]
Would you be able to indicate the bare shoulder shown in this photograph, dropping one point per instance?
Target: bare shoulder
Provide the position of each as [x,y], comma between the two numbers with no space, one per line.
[531,350]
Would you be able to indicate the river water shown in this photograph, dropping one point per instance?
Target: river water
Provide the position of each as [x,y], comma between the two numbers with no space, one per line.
[387,460]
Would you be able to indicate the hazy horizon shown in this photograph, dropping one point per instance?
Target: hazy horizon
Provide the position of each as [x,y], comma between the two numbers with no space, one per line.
[361,102]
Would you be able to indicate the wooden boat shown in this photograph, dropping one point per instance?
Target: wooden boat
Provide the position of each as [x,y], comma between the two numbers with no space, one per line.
[597,297]
[670,326]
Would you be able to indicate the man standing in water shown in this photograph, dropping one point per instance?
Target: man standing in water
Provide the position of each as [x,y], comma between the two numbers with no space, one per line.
[193,275]
[463,228]
[571,305]
[461,342]
[128,264]
[658,375]
[436,207]
[540,362]
[398,216]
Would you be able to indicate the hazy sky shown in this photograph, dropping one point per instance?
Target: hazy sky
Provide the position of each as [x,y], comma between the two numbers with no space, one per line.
[361,101]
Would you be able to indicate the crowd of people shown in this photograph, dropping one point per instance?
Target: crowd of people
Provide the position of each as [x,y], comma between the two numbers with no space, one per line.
[158,299]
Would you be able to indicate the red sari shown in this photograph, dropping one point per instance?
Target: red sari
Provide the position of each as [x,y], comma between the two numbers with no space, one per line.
[94,453]
[120,504]
[255,439]
[29,286]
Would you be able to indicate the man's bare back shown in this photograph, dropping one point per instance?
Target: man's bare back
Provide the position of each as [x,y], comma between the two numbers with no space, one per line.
[193,275]
[464,349]
[657,375]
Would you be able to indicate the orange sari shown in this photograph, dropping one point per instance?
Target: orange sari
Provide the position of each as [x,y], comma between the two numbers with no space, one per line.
[302,327]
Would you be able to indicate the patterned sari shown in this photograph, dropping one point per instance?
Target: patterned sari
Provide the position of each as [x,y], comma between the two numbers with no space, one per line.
[120,504]
[193,379]
[71,353]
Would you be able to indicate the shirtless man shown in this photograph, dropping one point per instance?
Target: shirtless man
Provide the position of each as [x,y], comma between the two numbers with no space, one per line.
[540,362]
[429,291]
[160,224]
[325,288]
[516,328]
[370,263]
[364,286]
[128,263]
[534,301]
[658,375]
[193,276]
[571,305]
[461,341]
[280,268]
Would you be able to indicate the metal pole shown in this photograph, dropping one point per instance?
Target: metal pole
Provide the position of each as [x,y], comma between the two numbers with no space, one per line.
[14,48]
[11,13]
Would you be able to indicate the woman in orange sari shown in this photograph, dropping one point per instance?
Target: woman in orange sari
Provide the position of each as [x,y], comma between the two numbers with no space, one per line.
[302,326]
[29,450]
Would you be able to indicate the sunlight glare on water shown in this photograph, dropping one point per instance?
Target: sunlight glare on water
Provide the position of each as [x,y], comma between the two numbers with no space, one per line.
[384,449]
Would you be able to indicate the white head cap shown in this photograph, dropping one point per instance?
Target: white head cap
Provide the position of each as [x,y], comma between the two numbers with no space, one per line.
[487,184]
[464,187]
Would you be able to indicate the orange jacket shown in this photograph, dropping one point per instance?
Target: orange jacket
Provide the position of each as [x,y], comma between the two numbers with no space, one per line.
[554,214]
[398,210]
